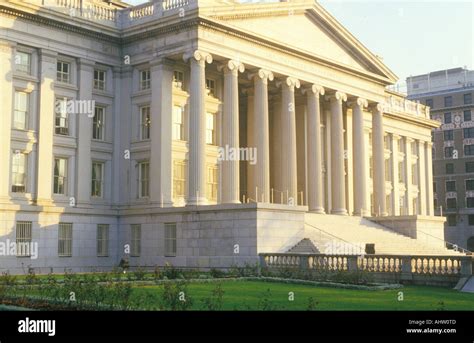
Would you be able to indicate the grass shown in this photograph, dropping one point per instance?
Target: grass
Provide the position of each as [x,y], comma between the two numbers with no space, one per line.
[247,295]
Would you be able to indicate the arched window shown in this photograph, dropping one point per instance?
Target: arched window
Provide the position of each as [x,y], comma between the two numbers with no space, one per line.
[470,244]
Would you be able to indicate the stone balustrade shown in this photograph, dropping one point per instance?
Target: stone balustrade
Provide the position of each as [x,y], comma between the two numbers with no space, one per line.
[397,104]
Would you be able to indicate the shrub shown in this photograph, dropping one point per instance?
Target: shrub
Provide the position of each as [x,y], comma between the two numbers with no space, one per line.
[214,302]
[265,303]
[216,273]
[175,297]
[170,272]
[312,304]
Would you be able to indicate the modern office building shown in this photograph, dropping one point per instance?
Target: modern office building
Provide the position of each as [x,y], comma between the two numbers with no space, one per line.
[449,94]
[201,133]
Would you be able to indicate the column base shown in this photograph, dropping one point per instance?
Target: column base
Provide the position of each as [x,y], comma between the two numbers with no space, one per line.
[197,201]
[231,202]
[317,210]
[339,212]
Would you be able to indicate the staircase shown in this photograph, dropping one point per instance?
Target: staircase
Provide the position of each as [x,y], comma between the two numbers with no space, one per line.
[322,230]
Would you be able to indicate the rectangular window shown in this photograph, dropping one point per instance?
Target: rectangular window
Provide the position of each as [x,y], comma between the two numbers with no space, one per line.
[210,128]
[20,112]
[24,236]
[97,179]
[448,101]
[449,168]
[469,150]
[60,176]
[102,240]
[65,239]
[467,99]
[450,186]
[469,167]
[451,219]
[470,219]
[143,179]
[170,239]
[136,240]
[434,187]
[211,87]
[448,152]
[470,202]
[23,62]
[467,115]
[145,79]
[98,124]
[99,79]
[429,103]
[448,135]
[468,132]
[63,72]
[178,79]
[61,117]
[470,185]
[19,172]
[145,122]
[212,182]
[178,123]
[179,179]
[451,203]
[447,118]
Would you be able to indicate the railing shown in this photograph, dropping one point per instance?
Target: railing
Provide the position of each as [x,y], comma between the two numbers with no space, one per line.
[394,103]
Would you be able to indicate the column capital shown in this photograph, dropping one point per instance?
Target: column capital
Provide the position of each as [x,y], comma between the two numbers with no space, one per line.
[429,144]
[315,89]
[232,66]
[396,136]
[263,74]
[198,56]
[358,102]
[337,96]
[409,139]
[290,82]
[377,107]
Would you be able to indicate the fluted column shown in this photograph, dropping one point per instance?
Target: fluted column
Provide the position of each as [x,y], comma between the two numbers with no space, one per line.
[423,196]
[408,175]
[315,174]
[46,126]
[230,127]
[429,178]
[396,188]
[360,176]
[261,135]
[197,128]
[288,135]
[337,155]
[378,153]
[6,101]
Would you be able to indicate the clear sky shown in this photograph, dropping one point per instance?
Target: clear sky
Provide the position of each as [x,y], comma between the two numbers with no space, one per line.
[413,37]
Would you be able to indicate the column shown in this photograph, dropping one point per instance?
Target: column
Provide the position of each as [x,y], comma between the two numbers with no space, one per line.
[261,140]
[117,154]
[6,101]
[378,153]
[337,155]
[161,132]
[396,184]
[314,153]
[288,136]
[197,128]
[84,135]
[250,143]
[48,60]
[360,176]
[230,134]
[429,178]
[422,195]
[409,176]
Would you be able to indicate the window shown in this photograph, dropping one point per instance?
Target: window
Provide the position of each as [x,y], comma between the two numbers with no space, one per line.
[178,79]
[136,240]
[467,99]
[99,79]
[170,239]
[97,179]
[467,115]
[470,185]
[62,118]
[60,176]
[98,124]
[143,179]
[469,150]
[63,72]
[19,172]
[470,202]
[20,113]
[435,203]
[23,62]
[212,182]
[145,122]
[447,118]
[468,132]
[451,219]
[448,152]
[450,186]
[448,135]
[429,103]
[448,101]
[434,187]
[401,172]
[23,238]
[145,79]
[179,179]
[65,240]
[449,168]
[210,129]
[178,122]
[210,87]
[102,240]
[451,203]
[469,167]
[470,219]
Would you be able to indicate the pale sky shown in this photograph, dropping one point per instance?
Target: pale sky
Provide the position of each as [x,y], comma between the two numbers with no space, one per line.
[413,37]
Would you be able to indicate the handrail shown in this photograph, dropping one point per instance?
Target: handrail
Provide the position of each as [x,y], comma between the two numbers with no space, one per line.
[445,241]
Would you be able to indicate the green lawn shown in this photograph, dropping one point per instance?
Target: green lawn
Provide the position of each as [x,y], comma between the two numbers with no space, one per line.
[246,295]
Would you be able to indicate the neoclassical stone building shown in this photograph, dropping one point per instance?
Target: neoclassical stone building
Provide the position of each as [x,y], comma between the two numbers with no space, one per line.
[200,133]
